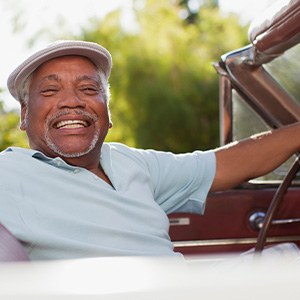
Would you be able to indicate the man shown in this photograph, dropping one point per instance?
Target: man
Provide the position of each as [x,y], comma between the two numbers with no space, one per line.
[72,195]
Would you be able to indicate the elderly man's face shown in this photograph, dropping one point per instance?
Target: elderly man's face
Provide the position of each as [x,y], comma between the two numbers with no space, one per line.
[67,114]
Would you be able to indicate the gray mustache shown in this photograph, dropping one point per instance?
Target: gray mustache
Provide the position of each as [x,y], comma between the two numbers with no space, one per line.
[68,111]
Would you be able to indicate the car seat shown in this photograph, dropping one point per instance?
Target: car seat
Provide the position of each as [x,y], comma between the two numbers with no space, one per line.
[10,248]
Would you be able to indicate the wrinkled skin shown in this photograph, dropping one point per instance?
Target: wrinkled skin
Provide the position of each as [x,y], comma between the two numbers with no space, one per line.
[67,115]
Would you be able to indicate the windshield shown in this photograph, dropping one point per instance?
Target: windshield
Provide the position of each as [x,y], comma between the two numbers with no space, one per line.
[284,69]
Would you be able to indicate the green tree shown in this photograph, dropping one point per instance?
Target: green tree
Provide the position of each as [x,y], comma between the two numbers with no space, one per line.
[10,133]
[191,8]
[164,88]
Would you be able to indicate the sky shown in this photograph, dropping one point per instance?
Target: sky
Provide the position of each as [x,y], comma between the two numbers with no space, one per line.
[35,15]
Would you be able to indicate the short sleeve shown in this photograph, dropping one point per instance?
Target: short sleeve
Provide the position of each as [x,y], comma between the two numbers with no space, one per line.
[181,181]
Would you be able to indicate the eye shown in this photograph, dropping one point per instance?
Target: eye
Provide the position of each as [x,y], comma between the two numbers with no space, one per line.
[49,91]
[89,90]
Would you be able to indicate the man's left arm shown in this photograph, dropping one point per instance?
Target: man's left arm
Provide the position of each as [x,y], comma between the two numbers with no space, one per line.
[255,156]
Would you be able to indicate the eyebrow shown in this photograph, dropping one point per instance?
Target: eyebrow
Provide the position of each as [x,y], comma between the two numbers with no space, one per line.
[56,77]
[51,77]
[86,77]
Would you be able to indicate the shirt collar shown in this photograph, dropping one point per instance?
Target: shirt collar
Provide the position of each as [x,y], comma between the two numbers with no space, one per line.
[57,161]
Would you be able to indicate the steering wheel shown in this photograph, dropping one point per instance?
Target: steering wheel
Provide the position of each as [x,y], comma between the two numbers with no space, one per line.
[277,199]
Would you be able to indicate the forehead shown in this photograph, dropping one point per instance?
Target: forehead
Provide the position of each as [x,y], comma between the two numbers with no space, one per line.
[66,64]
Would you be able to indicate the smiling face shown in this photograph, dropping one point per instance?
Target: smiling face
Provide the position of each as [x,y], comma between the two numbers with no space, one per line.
[66,114]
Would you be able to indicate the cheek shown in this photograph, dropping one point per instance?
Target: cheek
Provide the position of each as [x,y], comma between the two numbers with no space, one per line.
[34,119]
[39,109]
[102,111]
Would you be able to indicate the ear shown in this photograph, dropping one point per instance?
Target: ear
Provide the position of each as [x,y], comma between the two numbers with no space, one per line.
[23,116]
[110,124]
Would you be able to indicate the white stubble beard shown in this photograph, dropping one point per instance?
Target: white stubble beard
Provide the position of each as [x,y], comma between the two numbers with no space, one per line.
[61,153]
[58,150]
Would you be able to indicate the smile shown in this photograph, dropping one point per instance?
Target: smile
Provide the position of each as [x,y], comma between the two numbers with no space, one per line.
[71,124]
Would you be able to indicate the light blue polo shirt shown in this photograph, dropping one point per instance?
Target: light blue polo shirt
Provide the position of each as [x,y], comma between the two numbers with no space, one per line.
[60,211]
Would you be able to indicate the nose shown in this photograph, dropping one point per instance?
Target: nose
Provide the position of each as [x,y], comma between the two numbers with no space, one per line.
[70,99]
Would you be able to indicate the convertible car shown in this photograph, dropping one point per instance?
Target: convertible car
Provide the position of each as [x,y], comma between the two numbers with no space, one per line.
[259,90]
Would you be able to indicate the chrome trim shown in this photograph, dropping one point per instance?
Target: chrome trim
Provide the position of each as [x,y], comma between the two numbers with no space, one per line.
[285,221]
[255,85]
[256,220]
[233,241]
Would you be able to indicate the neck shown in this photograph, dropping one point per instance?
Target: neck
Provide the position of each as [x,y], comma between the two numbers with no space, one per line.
[90,163]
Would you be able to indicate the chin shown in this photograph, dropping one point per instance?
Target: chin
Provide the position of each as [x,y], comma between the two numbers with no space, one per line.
[69,151]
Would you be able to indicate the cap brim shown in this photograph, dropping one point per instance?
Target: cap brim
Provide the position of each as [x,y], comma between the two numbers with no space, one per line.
[96,53]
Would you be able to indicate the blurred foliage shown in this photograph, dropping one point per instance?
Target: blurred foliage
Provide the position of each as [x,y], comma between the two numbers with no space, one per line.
[164,88]
[10,133]
[190,12]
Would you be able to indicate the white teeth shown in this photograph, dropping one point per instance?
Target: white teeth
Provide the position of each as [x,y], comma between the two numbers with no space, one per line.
[71,124]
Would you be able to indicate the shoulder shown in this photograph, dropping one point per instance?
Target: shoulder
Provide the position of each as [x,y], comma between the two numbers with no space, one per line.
[118,151]
[118,147]
[145,155]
